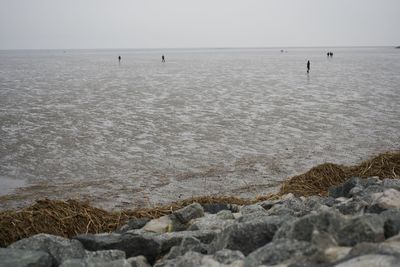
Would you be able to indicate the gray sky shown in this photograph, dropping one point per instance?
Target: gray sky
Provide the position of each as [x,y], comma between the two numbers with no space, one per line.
[43,24]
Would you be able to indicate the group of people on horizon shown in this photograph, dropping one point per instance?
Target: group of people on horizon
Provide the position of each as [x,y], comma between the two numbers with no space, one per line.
[162,59]
[329,54]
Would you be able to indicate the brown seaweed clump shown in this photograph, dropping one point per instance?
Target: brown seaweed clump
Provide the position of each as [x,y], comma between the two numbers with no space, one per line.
[318,180]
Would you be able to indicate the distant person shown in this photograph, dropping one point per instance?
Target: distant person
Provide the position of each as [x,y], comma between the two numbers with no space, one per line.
[331,54]
[119,59]
[328,54]
[308,66]
[162,58]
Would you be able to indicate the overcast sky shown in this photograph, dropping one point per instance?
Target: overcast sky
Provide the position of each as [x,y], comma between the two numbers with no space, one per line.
[43,24]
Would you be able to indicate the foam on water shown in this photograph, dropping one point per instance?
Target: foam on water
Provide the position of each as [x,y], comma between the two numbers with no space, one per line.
[237,122]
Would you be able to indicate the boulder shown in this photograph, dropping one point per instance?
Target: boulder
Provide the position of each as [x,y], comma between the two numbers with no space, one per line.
[280,251]
[138,261]
[187,244]
[215,207]
[388,199]
[95,263]
[24,258]
[392,222]
[351,206]
[343,190]
[389,248]
[168,240]
[225,215]
[105,255]
[211,222]
[227,256]
[59,248]
[131,244]
[190,259]
[364,228]
[371,260]
[247,236]
[159,225]
[391,183]
[182,217]
[133,224]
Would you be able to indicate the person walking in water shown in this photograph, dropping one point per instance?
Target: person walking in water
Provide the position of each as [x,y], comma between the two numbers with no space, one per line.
[308,66]
[162,58]
[119,59]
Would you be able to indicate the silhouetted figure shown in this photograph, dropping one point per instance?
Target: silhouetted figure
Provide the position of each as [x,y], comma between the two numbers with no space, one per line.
[308,66]
[162,58]
[119,59]
[331,54]
[328,54]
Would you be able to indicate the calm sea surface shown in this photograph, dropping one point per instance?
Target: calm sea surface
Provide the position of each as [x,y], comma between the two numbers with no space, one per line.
[76,124]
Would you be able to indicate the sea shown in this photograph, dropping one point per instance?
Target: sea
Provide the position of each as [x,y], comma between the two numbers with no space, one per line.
[229,122]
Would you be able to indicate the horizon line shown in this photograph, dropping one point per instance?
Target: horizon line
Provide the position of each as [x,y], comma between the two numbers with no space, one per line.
[201,48]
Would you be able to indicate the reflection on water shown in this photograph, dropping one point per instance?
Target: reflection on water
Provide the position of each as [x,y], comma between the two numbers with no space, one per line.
[78,124]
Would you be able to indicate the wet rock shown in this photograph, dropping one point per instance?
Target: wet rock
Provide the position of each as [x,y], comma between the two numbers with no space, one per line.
[280,251]
[372,260]
[168,240]
[365,228]
[24,258]
[247,236]
[159,225]
[131,244]
[59,248]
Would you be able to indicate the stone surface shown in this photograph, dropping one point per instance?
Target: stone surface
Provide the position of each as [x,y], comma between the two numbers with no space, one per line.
[372,260]
[247,236]
[10,257]
[160,225]
[391,183]
[95,263]
[131,244]
[210,222]
[343,189]
[365,228]
[193,211]
[187,244]
[134,224]
[138,261]
[390,198]
[58,247]
[105,255]
[215,207]
[227,256]
[280,251]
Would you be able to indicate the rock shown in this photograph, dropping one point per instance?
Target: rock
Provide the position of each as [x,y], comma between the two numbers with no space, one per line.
[280,251]
[131,244]
[168,240]
[332,254]
[95,263]
[251,209]
[105,255]
[390,198]
[248,236]
[211,222]
[214,208]
[329,221]
[187,244]
[322,240]
[190,259]
[138,261]
[392,222]
[227,256]
[225,215]
[351,206]
[365,228]
[193,211]
[343,190]
[160,225]
[59,248]
[390,248]
[133,224]
[372,260]
[24,258]
[391,183]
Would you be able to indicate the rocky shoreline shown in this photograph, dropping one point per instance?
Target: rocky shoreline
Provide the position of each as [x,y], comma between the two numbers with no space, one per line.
[357,224]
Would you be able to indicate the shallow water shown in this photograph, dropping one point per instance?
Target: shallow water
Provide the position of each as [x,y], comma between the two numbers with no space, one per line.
[76,124]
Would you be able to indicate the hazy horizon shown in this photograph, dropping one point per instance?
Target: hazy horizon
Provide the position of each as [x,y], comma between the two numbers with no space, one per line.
[160,24]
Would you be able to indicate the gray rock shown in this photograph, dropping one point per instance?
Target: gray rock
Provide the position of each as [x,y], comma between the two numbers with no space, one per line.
[214,208]
[138,261]
[371,260]
[247,236]
[227,256]
[187,244]
[210,222]
[251,209]
[159,225]
[392,222]
[131,244]
[105,255]
[375,248]
[24,258]
[193,211]
[95,263]
[343,189]
[329,221]
[190,259]
[391,183]
[133,224]
[280,251]
[365,228]
[351,207]
[225,215]
[59,248]
[168,240]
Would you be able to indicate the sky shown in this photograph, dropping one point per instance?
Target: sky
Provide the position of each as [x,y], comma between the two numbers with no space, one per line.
[86,24]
